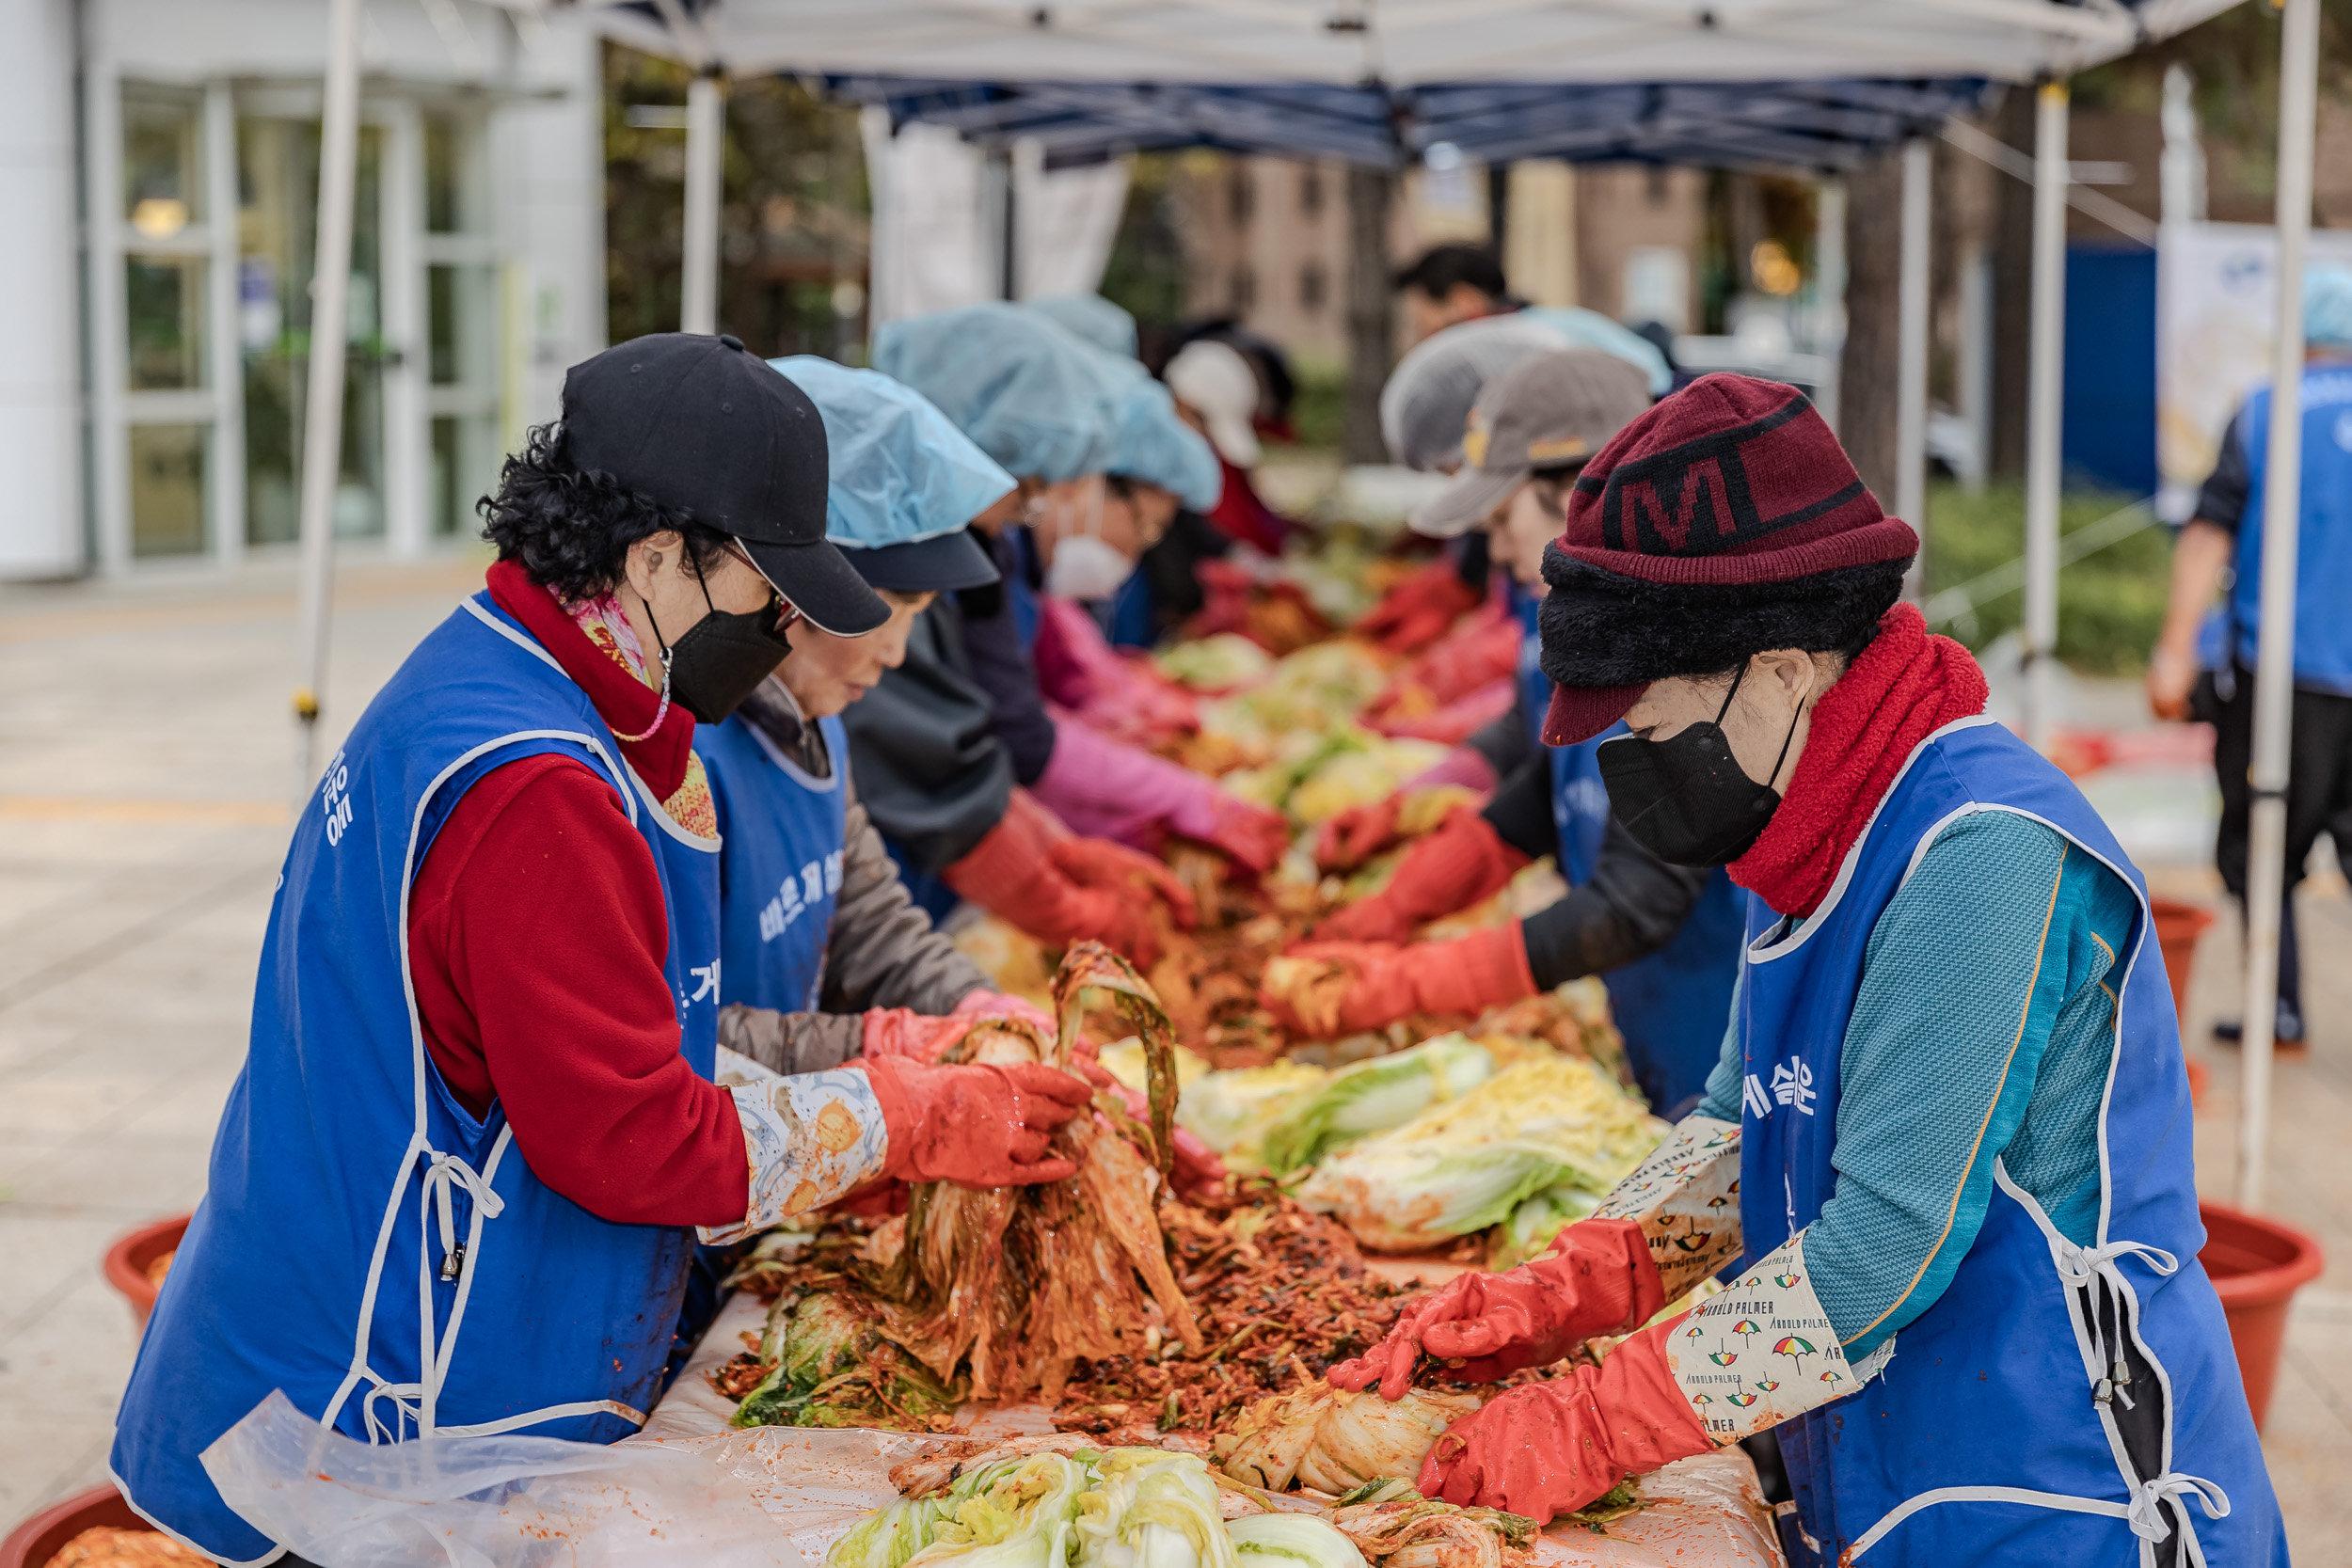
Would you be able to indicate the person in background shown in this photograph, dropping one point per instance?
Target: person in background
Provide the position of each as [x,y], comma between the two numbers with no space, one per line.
[1665,939]
[479,1094]
[943,767]
[1217,394]
[2202,666]
[1424,412]
[1455,284]
[1948,1141]
[816,928]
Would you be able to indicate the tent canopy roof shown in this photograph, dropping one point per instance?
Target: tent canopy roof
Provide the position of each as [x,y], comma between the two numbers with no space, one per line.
[1401,43]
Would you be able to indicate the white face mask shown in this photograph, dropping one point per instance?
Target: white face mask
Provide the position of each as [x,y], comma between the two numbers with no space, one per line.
[1086,565]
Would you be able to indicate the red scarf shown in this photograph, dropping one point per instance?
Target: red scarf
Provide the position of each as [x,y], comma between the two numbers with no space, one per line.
[1905,686]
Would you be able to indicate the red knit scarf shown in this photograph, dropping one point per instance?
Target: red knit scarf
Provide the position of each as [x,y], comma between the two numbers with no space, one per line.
[1905,686]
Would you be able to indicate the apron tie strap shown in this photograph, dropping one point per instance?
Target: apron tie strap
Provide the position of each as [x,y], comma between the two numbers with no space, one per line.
[2081,1267]
[2147,1518]
[2078,1265]
[447,1171]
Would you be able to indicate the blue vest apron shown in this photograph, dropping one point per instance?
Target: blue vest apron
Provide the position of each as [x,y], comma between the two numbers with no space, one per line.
[1674,1006]
[780,874]
[366,1244]
[1980,1440]
[2323,573]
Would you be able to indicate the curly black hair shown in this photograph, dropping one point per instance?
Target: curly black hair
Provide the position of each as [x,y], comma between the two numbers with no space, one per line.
[571,528]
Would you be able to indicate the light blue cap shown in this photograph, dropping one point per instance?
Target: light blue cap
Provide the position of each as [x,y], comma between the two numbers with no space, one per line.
[2328,307]
[1154,444]
[899,474]
[1591,330]
[1033,396]
[1106,327]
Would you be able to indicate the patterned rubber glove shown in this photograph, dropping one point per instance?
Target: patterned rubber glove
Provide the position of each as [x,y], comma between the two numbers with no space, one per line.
[1452,868]
[1597,1279]
[1417,611]
[1058,888]
[1343,987]
[1546,1449]
[975,1126]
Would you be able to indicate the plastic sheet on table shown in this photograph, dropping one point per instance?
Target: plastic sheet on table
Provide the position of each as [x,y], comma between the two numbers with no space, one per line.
[690,1492]
[1701,1513]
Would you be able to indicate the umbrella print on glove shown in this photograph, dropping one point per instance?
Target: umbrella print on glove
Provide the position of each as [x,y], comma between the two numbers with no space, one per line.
[1722,1358]
[1796,1349]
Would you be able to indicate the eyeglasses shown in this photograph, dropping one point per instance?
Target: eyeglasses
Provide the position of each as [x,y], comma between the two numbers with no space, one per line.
[787,613]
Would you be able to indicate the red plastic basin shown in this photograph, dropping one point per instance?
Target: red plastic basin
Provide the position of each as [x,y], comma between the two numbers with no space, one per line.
[2257,1264]
[41,1537]
[130,1257]
[2178,927]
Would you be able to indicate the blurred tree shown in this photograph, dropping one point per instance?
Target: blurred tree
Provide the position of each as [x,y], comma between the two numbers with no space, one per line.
[1146,270]
[795,217]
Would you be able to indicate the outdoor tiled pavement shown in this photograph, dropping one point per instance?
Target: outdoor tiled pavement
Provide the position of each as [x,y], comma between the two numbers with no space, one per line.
[142,817]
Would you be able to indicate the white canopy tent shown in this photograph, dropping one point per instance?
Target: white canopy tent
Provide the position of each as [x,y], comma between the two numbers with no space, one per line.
[1563,43]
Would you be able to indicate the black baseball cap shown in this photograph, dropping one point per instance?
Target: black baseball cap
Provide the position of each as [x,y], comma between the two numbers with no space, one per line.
[704,427]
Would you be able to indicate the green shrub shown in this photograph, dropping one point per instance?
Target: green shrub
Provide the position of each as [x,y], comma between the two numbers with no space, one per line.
[2110,602]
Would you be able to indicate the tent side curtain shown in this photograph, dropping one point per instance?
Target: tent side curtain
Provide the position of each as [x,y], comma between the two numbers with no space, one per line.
[1820,125]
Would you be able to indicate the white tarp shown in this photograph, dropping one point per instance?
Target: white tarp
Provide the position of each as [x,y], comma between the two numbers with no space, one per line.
[1408,42]
[938,245]
[2216,289]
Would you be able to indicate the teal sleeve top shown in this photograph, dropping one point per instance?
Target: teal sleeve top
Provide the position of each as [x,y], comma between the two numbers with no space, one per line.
[1984,1028]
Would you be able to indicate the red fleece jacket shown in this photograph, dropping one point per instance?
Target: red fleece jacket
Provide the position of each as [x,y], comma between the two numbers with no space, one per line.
[536,937]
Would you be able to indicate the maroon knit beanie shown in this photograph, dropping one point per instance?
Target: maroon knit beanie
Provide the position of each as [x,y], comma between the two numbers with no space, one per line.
[1723,522]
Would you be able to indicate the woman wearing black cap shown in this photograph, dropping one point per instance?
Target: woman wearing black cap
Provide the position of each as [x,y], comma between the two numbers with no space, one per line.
[457,1186]
[1948,1140]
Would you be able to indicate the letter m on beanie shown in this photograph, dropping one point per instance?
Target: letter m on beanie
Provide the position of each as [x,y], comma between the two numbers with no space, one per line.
[1682,502]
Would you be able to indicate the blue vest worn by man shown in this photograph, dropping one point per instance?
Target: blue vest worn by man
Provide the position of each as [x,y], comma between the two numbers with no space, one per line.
[1672,1005]
[1994,1432]
[2323,572]
[366,1244]
[780,874]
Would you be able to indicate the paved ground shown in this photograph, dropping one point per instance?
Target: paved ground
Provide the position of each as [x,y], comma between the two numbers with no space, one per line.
[142,818]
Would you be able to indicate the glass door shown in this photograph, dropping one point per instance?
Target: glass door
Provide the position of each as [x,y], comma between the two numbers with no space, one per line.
[278,174]
[465,323]
[167,434]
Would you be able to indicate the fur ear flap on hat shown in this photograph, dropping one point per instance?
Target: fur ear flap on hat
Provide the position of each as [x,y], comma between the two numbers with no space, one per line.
[1599,629]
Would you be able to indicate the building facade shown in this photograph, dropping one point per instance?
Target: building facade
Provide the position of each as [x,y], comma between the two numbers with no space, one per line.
[162,303]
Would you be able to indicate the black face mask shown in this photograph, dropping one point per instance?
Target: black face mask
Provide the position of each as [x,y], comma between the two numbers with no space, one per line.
[1686,798]
[720,659]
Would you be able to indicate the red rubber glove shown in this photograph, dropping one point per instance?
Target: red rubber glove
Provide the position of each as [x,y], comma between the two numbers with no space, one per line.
[902,1032]
[1355,836]
[1463,862]
[1548,1448]
[1251,836]
[1597,1278]
[1417,611]
[1058,888]
[1468,975]
[975,1126]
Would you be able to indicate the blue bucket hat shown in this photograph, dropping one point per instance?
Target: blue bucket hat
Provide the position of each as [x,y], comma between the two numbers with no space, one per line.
[1152,443]
[1093,319]
[904,481]
[1033,397]
[2328,307]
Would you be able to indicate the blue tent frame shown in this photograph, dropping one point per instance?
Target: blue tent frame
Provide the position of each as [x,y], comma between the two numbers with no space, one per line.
[1819,126]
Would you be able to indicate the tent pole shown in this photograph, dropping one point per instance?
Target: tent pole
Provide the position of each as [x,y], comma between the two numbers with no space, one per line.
[706,158]
[323,409]
[1371,311]
[2274,652]
[1911,411]
[2047,390]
